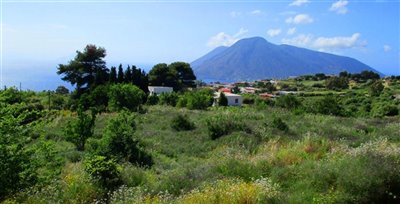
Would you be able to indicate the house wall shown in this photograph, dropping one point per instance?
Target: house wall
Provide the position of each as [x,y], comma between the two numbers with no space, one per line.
[159,90]
[234,100]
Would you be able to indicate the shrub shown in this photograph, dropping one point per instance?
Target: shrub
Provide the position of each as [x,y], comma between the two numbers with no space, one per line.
[118,141]
[11,96]
[279,124]
[125,96]
[168,99]
[234,191]
[380,109]
[105,171]
[328,105]
[62,90]
[196,100]
[79,130]
[376,88]
[288,101]
[181,123]
[152,99]
[337,83]
[219,126]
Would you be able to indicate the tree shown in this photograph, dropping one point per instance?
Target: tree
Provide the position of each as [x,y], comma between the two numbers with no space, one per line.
[128,75]
[222,101]
[62,90]
[120,75]
[376,88]
[83,69]
[79,130]
[119,142]
[178,75]
[184,74]
[104,170]
[337,83]
[344,74]
[125,96]
[160,75]
[288,101]
[113,75]
[328,105]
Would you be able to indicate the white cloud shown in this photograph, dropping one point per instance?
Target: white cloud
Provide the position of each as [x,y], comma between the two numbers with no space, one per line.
[256,12]
[386,48]
[339,42]
[299,2]
[291,31]
[274,32]
[235,14]
[223,39]
[300,40]
[339,7]
[326,43]
[300,19]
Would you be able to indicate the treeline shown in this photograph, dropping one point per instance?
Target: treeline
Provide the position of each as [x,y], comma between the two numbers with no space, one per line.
[358,77]
[88,70]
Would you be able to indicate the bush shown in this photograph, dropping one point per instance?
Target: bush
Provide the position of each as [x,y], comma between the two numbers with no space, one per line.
[105,171]
[288,101]
[199,100]
[376,88]
[181,123]
[152,99]
[279,124]
[11,96]
[328,105]
[337,83]
[79,130]
[118,141]
[380,109]
[125,96]
[223,125]
[168,99]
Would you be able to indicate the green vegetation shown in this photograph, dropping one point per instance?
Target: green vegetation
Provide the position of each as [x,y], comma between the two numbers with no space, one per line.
[112,143]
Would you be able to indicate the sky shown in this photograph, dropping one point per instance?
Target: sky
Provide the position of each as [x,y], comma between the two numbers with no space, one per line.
[37,35]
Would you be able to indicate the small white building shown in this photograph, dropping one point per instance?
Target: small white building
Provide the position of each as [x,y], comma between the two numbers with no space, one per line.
[233,99]
[157,90]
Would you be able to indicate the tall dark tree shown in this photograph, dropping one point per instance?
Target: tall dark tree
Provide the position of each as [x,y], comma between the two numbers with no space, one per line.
[120,75]
[177,75]
[113,75]
[128,75]
[160,75]
[82,70]
[184,74]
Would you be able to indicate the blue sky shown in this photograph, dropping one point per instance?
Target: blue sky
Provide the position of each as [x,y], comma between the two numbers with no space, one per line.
[38,35]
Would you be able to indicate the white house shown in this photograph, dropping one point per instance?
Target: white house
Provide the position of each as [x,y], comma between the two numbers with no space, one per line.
[159,89]
[233,99]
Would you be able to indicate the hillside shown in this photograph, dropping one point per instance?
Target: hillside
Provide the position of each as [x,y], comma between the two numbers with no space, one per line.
[255,58]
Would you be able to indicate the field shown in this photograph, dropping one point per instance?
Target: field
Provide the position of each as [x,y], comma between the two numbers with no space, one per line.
[317,159]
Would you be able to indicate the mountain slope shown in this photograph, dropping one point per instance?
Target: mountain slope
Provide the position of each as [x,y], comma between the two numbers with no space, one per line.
[255,58]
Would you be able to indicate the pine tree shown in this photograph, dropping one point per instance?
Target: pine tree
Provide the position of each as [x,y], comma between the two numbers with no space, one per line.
[222,101]
[113,75]
[128,75]
[120,75]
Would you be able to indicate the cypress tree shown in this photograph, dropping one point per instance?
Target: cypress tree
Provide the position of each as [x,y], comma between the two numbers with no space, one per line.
[120,75]
[128,75]
[113,75]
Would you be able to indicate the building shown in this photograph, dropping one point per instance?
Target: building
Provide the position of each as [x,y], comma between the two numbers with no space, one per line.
[233,99]
[249,90]
[157,90]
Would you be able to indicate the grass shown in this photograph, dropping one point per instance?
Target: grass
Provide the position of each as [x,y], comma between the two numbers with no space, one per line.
[320,159]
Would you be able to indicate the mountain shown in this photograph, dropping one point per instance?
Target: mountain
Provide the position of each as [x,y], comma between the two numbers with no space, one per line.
[255,58]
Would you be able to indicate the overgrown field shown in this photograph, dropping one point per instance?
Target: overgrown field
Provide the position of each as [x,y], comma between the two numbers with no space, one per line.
[252,154]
